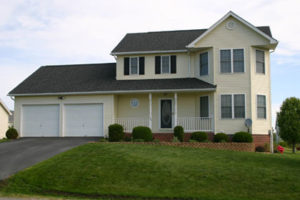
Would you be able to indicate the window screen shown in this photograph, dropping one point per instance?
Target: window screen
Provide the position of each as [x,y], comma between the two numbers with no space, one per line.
[260,61]
[204,106]
[225,61]
[203,64]
[238,60]
[261,106]
[239,106]
[226,106]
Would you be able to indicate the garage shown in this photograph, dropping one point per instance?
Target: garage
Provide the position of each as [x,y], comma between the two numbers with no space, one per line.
[83,120]
[40,121]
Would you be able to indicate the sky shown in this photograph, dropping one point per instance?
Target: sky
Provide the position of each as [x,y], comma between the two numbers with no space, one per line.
[34,33]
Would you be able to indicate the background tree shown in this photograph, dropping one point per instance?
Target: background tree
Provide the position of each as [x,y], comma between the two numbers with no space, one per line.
[289,121]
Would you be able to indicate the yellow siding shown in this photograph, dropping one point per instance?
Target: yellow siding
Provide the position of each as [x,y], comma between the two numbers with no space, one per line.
[182,67]
[238,83]
[3,122]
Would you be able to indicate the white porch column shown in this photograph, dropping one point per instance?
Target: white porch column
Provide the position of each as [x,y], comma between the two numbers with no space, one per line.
[150,110]
[175,109]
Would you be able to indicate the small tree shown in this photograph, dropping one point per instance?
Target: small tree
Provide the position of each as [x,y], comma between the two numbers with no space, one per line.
[289,121]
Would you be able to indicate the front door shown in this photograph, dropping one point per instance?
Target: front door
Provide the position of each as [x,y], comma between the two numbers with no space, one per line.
[166,113]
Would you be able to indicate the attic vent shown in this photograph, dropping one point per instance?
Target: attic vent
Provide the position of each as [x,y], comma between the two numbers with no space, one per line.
[230,25]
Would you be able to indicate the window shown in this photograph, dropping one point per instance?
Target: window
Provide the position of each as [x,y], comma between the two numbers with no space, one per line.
[165,64]
[204,64]
[204,106]
[239,106]
[226,106]
[238,60]
[226,61]
[233,106]
[261,107]
[260,61]
[133,65]
[232,60]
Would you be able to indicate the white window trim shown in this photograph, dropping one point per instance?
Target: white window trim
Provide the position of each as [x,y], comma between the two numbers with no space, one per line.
[208,64]
[161,64]
[138,66]
[232,106]
[258,118]
[258,73]
[159,113]
[200,105]
[231,55]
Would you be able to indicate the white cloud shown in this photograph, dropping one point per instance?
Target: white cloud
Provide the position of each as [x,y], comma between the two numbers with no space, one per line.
[66,31]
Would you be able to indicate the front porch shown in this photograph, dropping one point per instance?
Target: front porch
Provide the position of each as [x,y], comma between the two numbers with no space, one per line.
[161,112]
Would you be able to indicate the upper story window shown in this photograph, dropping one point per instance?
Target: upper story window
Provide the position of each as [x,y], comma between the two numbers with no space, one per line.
[165,64]
[134,65]
[232,60]
[260,61]
[204,64]
[233,106]
[261,107]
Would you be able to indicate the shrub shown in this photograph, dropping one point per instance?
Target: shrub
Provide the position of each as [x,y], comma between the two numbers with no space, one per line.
[221,137]
[138,140]
[12,133]
[193,141]
[283,143]
[179,133]
[175,139]
[242,137]
[127,138]
[115,133]
[156,140]
[142,132]
[267,147]
[260,149]
[103,140]
[199,136]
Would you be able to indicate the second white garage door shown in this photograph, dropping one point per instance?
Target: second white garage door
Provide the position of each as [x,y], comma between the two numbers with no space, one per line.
[83,120]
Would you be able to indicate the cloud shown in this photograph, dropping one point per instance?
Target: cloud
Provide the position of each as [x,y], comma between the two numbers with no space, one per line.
[66,31]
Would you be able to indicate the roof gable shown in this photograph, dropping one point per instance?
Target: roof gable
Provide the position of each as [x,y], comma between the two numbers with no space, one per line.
[263,31]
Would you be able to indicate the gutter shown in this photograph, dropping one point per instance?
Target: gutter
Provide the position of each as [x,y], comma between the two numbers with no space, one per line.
[114,92]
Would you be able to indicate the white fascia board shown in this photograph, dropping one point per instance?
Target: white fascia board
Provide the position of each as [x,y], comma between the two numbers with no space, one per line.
[232,14]
[147,52]
[115,92]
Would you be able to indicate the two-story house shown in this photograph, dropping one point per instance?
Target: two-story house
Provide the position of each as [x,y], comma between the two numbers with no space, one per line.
[204,80]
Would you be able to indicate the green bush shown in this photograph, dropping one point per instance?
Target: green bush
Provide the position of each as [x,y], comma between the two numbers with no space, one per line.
[138,140]
[179,133]
[142,132]
[115,133]
[283,144]
[127,138]
[175,139]
[242,137]
[221,137]
[260,149]
[193,141]
[199,136]
[12,133]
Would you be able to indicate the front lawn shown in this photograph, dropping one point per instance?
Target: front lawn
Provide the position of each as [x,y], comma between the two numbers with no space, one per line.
[136,170]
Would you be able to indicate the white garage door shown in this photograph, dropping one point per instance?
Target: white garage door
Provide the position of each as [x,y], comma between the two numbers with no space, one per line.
[40,121]
[83,120]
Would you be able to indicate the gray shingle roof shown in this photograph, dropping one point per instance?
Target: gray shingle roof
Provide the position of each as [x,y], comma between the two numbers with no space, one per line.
[95,78]
[164,40]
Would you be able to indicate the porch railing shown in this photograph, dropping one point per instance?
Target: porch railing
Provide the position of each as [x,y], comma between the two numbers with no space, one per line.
[129,123]
[195,123]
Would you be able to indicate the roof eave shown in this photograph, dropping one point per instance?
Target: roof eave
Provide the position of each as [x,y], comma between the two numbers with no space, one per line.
[115,92]
[147,52]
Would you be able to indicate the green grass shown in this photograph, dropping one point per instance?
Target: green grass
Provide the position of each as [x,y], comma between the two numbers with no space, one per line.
[136,170]
[4,140]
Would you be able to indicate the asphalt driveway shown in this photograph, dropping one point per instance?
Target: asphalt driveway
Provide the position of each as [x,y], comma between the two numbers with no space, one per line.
[25,152]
